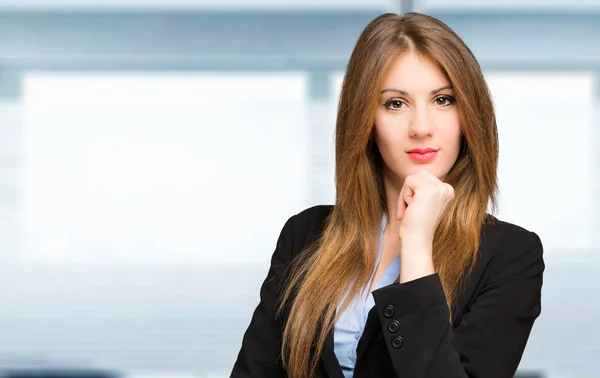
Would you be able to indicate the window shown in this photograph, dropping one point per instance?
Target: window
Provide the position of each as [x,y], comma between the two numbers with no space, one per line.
[545,128]
[147,168]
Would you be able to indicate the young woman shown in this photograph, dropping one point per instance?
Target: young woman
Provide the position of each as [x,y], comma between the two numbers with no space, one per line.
[407,275]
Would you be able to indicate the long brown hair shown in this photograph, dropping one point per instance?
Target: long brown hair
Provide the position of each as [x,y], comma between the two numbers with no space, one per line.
[344,255]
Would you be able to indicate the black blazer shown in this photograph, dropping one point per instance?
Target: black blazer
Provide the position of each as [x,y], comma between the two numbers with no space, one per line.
[491,320]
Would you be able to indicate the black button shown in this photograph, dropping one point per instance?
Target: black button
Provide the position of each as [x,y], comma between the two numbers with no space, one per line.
[394,326]
[389,311]
[397,342]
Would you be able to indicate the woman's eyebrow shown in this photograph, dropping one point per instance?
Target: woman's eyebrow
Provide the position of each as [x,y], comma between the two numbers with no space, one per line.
[405,93]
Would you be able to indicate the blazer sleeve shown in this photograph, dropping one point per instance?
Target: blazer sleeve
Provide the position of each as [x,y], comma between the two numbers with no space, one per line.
[259,355]
[490,338]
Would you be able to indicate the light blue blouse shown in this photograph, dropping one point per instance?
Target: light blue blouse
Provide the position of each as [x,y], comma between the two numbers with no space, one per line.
[349,327]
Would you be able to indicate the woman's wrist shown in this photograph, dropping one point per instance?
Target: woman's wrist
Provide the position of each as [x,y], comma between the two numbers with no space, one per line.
[416,260]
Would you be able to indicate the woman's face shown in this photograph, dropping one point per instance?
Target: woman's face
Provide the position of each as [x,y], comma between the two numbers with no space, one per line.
[417,113]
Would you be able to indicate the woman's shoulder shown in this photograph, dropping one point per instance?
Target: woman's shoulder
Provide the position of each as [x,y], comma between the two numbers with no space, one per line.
[298,232]
[505,232]
[508,243]
[311,221]
[313,216]
[307,225]
[500,240]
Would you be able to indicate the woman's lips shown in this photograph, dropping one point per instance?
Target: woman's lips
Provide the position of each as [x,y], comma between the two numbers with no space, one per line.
[422,157]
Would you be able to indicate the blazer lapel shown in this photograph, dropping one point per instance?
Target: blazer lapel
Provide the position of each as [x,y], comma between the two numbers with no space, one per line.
[372,329]
[329,359]
[328,356]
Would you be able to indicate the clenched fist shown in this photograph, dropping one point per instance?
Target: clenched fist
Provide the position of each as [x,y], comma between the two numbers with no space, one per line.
[421,204]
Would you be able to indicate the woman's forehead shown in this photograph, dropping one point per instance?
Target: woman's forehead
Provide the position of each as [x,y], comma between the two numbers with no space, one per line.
[415,74]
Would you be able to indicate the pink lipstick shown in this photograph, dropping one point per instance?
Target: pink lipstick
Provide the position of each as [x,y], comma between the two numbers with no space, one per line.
[422,155]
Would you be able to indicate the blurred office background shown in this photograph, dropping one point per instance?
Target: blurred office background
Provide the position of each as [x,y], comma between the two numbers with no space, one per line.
[152,150]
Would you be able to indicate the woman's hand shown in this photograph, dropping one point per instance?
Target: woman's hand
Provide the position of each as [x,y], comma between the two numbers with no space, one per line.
[421,204]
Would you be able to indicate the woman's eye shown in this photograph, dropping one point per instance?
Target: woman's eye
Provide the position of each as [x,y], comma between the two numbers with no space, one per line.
[394,104]
[444,100]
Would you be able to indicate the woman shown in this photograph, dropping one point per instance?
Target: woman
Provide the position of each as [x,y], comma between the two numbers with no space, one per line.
[407,275]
